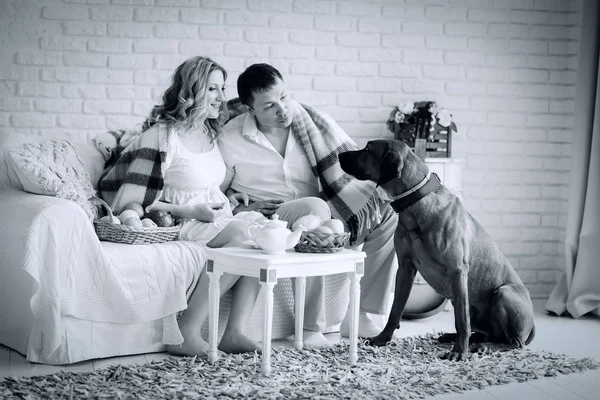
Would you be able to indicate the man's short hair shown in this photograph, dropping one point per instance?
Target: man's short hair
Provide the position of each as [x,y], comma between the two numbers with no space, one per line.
[257,78]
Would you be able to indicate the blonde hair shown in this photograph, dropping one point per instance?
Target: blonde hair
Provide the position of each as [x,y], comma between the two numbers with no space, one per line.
[184,102]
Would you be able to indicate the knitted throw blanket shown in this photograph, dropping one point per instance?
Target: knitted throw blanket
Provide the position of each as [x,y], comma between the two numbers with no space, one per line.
[353,201]
[134,169]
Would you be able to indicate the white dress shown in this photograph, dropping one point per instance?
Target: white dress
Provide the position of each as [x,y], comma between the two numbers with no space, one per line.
[194,178]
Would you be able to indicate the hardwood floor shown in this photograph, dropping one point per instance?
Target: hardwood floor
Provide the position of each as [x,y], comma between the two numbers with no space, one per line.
[577,338]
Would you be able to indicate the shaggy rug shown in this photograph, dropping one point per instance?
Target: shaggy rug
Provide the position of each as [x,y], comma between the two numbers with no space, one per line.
[405,369]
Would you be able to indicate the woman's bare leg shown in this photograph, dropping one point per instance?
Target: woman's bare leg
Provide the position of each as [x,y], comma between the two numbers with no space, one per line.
[192,319]
[234,340]
[232,235]
[245,292]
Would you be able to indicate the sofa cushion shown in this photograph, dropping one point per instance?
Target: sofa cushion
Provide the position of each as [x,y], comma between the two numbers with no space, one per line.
[89,154]
[53,168]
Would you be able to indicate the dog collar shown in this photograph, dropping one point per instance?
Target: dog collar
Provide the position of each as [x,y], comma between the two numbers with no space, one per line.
[415,194]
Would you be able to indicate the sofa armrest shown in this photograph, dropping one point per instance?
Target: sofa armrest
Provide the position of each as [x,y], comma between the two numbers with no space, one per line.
[20,208]
[53,247]
[21,211]
[36,230]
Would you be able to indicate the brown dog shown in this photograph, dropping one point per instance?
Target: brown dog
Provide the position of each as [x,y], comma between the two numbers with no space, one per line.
[455,255]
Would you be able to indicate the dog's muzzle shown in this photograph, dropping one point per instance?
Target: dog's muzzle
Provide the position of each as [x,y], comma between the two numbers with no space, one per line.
[349,164]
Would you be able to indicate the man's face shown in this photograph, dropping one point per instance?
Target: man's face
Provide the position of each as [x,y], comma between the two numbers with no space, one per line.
[273,108]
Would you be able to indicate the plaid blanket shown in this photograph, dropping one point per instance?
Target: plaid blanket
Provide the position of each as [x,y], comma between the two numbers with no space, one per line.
[134,168]
[353,201]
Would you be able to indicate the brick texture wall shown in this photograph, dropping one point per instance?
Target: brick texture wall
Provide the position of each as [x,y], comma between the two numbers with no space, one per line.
[506,69]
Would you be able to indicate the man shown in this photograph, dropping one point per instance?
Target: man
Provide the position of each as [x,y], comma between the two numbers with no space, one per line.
[280,152]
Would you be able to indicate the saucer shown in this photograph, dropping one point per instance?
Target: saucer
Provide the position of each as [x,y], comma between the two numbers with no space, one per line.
[250,243]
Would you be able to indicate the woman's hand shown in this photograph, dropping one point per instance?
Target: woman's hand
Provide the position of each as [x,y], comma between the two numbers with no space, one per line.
[205,212]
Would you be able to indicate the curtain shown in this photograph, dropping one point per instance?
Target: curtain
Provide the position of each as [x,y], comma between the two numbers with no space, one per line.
[578,292]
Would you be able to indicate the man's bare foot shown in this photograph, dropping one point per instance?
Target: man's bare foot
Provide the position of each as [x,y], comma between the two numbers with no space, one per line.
[312,339]
[193,345]
[235,343]
[366,327]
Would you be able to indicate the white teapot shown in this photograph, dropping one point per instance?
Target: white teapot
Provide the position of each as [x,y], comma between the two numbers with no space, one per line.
[272,236]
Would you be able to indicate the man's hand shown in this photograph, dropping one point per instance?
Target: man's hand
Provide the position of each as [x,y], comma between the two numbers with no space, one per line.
[238,198]
[265,207]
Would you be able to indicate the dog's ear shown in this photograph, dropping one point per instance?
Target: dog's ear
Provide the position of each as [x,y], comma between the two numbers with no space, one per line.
[391,165]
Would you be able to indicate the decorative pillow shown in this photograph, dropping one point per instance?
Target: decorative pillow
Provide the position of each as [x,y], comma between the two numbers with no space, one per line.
[53,168]
[93,160]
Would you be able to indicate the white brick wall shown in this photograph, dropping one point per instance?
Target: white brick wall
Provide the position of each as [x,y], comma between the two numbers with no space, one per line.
[506,69]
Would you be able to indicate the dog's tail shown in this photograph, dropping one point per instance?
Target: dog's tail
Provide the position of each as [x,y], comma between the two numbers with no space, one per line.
[531,335]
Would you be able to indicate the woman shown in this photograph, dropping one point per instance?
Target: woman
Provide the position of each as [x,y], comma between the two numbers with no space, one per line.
[181,168]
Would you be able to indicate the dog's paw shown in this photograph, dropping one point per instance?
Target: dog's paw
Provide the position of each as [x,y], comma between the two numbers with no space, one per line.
[456,356]
[377,341]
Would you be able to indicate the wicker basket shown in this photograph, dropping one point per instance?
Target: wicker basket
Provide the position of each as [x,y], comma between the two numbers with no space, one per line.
[313,242]
[110,232]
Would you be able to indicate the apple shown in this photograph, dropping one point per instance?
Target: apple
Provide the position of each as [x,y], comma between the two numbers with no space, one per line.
[323,229]
[137,207]
[148,223]
[125,215]
[309,221]
[161,218]
[336,225]
[133,221]
[113,220]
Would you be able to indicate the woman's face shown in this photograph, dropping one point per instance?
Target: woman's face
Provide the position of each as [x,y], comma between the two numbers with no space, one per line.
[215,94]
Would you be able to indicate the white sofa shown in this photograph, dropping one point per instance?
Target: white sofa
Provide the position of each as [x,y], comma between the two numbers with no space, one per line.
[68,297]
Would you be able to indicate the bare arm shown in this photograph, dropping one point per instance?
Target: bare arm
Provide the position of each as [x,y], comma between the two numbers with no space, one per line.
[229,170]
[206,212]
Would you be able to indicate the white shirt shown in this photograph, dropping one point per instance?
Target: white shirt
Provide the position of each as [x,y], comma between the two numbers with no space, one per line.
[254,166]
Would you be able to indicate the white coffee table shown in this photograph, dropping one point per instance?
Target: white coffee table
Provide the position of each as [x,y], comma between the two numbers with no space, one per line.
[268,268]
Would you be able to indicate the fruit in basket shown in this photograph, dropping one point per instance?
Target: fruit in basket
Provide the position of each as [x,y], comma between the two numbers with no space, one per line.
[110,220]
[125,215]
[309,221]
[137,207]
[162,219]
[336,225]
[148,223]
[322,229]
[133,221]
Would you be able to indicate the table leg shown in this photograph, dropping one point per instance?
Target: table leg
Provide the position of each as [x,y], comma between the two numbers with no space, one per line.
[213,310]
[299,311]
[267,328]
[354,309]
